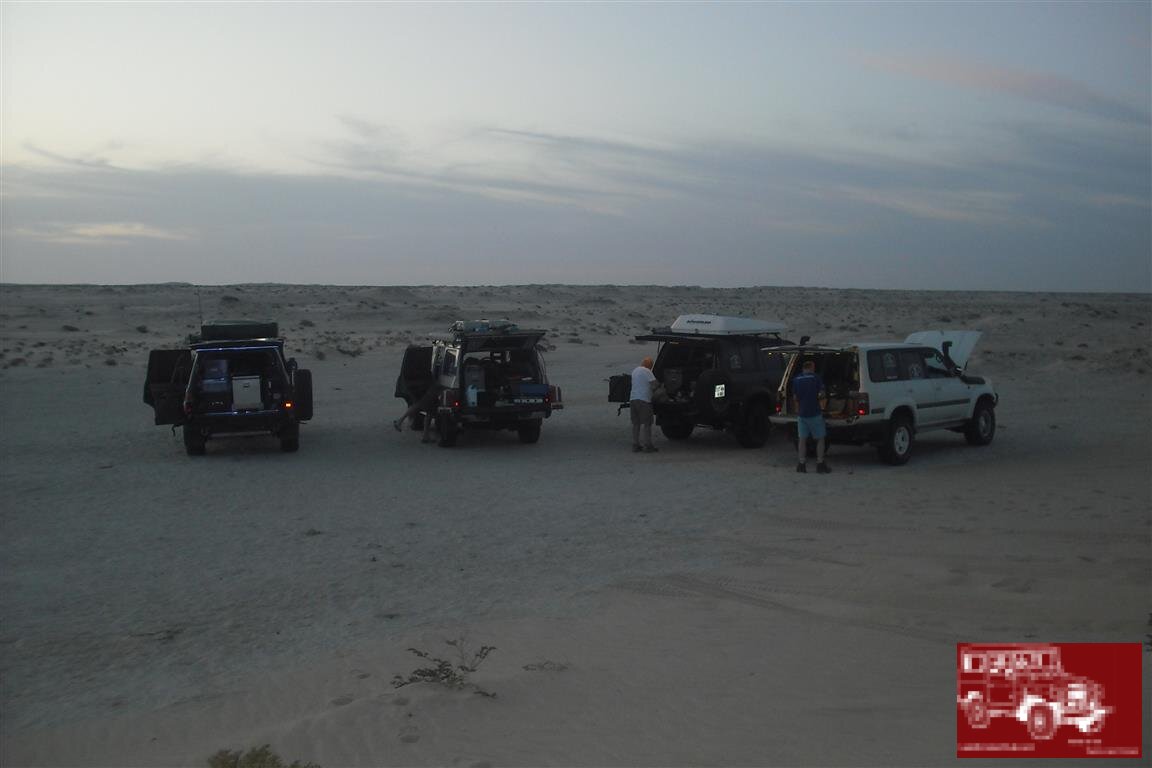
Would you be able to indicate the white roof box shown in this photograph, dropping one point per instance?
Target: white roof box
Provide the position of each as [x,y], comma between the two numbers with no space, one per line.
[719,324]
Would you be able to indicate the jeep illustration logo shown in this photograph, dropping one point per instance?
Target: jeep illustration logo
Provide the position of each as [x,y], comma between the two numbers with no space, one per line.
[1025,698]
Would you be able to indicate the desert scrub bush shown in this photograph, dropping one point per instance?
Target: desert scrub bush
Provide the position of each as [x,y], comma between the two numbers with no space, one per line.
[256,757]
[445,672]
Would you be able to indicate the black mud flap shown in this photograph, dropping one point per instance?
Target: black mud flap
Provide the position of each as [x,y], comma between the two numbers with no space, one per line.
[166,382]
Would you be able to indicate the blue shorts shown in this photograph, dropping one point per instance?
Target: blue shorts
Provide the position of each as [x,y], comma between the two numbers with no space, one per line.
[810,426]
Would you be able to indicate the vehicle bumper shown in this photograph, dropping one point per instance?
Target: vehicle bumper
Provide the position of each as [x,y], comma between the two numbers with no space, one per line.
[852,431]
[249,421]
[497,414]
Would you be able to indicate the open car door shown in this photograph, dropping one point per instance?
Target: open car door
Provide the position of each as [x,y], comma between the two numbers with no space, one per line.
[415,373]
[166,382]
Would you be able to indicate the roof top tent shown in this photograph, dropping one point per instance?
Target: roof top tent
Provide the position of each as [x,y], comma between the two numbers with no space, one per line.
[720,325]
[712,326]
[235,330]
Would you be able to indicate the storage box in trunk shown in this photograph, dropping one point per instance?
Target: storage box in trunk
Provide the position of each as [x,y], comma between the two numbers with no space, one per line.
[247,394]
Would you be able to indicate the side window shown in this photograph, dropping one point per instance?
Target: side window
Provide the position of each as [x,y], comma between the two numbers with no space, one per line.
[934,365]
[772,363]
[750,355]
[437,359]
[450,362]
[912,363]
[883,366]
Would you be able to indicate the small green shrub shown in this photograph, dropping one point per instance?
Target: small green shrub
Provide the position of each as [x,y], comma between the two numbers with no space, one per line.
[256,757]
[446,673]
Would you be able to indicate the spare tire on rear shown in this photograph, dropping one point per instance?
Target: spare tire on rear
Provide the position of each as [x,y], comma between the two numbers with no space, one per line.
[708,386]
[302,394]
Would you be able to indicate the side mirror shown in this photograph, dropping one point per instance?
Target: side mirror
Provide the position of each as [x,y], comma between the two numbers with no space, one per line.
[292,365]
[804,340]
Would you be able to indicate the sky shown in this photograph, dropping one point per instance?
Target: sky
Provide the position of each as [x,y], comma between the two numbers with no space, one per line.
[975,145]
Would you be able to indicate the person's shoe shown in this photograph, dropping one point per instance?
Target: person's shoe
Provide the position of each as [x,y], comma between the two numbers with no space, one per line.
[801,467]
[651,449]
[822,468]
[398,426]
[636,449]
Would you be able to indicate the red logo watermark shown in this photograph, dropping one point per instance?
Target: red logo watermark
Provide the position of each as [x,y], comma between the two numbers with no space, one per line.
[1049,700]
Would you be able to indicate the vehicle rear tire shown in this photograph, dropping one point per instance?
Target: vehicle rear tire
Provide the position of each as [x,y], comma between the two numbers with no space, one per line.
[448,430]
[1042,722]
[753,433]
[897,447]
[981,428]
[302,394]
[529,431]
[677,430]
[194,441]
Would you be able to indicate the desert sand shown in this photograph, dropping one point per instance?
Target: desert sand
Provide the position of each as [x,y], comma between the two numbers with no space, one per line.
[705,605]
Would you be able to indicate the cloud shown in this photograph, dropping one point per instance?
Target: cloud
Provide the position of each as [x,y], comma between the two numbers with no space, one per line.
[1050,90]
[79,162]
[970,205]
[1041,206]
[102,233]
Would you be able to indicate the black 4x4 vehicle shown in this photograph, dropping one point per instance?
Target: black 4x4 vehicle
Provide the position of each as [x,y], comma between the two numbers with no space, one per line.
[232,378]
[491,376]
[715,373]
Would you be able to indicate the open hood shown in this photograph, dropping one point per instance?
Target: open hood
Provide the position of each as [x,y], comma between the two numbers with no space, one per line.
[963,342]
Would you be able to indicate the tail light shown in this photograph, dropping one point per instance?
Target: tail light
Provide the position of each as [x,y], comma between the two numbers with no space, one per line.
[860,404]
[779,407]
[449,399]
[187,408]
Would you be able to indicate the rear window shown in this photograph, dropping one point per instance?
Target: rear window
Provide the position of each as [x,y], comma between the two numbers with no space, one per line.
[883,365]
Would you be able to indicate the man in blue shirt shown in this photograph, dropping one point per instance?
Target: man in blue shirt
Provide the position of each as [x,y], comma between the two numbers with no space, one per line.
[808,400]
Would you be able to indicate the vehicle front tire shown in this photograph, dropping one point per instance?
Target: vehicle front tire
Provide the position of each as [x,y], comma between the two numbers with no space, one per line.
[529,431]
[194,441]
[897,446]
[448,430]
[753,433]
[981,428]
[677,430]
[1042,722]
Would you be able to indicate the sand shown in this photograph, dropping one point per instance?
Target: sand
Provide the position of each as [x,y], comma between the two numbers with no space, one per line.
[705,605]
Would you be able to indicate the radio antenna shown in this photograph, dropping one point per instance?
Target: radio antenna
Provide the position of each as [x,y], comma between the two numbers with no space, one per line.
[200,305]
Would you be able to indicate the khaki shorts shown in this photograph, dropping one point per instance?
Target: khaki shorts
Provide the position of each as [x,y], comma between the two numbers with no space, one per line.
[641,412]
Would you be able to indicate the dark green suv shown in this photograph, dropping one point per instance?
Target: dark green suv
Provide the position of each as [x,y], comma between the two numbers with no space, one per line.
[230,379]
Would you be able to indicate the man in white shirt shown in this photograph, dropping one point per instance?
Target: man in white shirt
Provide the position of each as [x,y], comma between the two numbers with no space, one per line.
[640,405]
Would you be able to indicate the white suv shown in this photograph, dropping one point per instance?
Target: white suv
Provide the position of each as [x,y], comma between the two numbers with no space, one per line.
[884,393]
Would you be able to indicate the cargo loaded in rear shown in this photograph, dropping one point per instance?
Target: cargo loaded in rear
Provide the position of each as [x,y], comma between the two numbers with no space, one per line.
[248,382]
[841,376]
[500,376]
